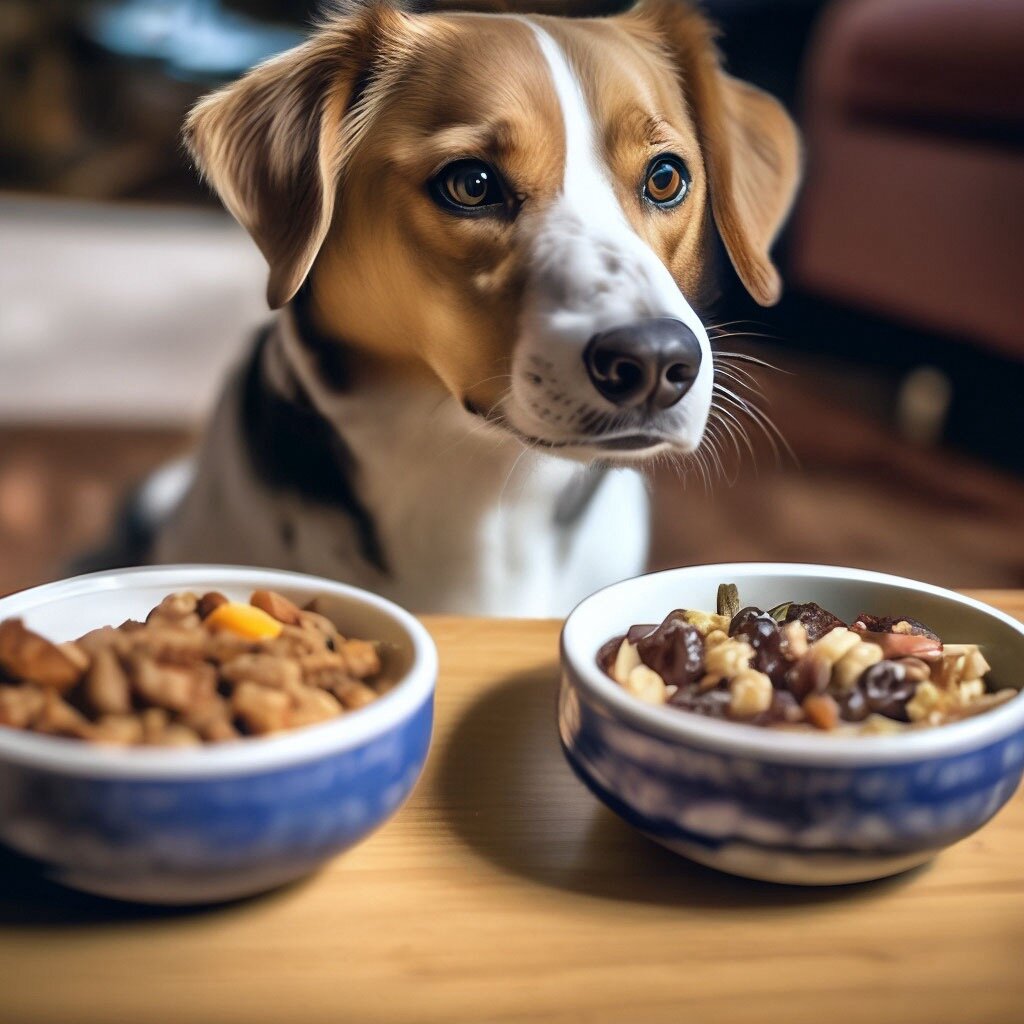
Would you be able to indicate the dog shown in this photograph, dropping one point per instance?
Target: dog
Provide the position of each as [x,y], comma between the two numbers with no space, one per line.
[489,235]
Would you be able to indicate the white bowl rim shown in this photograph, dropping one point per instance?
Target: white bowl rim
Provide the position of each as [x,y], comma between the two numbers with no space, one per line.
[778,746]
[253,755]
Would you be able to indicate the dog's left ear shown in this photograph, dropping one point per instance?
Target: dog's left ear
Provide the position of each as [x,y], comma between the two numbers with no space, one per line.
[751,146]
[273,144]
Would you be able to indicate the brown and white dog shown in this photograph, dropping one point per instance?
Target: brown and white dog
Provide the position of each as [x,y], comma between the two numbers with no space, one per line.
[490,235]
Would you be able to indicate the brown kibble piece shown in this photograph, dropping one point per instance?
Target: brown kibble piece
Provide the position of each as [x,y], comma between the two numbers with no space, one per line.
[154,721]
[324,669]
[223,646]
[219,730]
[297,641]
[97,639]
[313,705]
[214,725]
[211,718]
[320,627]
[121,730]
[170,644]
[75,655]
[265,669]
[106,684]
[58,718]
[353,694]
[260,708]
[28,656]
[821,710]
[210,601]
[277,606]
[19,705]
[177,735]
[175,608]
[360,657]
[167,686]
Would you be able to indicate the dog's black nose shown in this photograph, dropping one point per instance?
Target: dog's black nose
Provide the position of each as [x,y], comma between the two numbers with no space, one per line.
[649,362]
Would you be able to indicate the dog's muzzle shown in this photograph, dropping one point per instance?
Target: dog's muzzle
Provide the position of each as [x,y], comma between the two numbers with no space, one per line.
[651,362]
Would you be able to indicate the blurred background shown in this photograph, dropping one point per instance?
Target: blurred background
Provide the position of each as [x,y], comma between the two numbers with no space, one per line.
[125,292]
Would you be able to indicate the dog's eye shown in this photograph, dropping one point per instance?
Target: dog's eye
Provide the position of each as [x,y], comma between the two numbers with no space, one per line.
[667,182]
[468,186]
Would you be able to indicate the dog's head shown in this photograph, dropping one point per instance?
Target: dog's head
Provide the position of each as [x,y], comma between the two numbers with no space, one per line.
[525,205]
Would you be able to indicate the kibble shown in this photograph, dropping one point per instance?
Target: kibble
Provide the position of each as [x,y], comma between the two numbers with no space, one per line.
[198,670]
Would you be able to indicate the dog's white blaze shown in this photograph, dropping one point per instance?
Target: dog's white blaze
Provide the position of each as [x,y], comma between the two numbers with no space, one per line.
[591,270]
[584,177]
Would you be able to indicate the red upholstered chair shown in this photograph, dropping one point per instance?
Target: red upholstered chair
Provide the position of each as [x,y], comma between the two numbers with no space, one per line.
[914,200]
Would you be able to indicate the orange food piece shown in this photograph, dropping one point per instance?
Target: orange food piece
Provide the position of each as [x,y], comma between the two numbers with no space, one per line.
[244,620]
[821,710]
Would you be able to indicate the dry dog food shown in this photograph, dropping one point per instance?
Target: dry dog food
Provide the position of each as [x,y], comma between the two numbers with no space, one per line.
[198,670]
[800,666]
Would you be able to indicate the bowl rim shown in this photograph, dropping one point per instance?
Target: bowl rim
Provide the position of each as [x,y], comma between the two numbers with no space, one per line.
[759,743]
[253,755]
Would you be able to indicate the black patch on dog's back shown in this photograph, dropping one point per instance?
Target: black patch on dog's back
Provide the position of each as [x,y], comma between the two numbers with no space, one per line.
[293,447]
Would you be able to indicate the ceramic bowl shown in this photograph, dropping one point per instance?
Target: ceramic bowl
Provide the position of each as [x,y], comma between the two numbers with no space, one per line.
[805,808]
[223,821]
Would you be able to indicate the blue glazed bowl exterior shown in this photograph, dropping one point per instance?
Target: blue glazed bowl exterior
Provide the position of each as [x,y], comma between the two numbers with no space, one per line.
[226,821]
[197,840]
[797,808]
[786,822]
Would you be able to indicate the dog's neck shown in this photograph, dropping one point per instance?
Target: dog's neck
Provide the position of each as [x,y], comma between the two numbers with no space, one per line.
[390,416]
[455,505]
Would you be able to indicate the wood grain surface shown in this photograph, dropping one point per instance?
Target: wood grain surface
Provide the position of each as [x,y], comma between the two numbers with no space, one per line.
[502,891]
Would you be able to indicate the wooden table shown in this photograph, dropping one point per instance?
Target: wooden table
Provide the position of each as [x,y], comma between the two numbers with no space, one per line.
[503,891]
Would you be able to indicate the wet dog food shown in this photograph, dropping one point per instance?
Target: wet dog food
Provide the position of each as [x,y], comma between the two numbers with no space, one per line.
[801,666]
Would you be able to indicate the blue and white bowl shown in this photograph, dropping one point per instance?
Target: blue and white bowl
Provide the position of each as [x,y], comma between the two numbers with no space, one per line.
[803,808]
[224,821]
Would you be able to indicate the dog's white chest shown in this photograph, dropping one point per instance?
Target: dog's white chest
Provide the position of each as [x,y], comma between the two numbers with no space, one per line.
[488,540]
[519,560]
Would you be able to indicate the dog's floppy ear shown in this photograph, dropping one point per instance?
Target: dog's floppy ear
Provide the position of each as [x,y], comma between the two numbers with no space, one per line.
[751,147]
[272,144]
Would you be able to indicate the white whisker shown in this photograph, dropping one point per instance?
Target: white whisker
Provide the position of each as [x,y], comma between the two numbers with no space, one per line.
[745,357]
[750,384]
[740,430]
[768,427]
